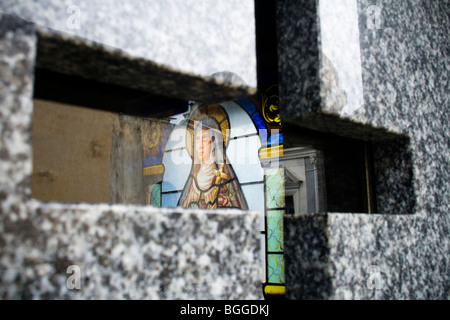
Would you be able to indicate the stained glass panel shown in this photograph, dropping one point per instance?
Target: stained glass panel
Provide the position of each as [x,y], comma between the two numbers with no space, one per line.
[275,188]
[275,268]
[155,195]
[275,235]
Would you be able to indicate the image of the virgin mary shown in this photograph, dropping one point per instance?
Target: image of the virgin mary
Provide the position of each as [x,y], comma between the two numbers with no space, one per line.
[212,182]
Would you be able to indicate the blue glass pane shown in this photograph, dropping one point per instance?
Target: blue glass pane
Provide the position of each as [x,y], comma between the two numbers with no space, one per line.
[247,104]
[151,161]
[170,200]
[259,122]
[275,139]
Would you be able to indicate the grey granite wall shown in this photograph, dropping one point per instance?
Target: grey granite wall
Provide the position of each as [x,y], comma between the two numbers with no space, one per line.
[17,56]
[387,85]
[123,252]
[403,251]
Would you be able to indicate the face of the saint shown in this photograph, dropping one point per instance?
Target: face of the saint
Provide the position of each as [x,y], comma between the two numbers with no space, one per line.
[202,146]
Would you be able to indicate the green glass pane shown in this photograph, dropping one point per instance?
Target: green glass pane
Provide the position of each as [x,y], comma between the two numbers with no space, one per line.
[275,230]
[275,188]
[275,268]
[155,196]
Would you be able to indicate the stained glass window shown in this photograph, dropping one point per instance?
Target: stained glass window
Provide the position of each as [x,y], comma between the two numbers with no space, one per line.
[239,169]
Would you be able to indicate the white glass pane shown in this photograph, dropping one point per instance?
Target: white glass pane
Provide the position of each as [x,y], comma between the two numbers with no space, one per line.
[254,194]
[177,138]
[243,156]
[177,168]
[240,122]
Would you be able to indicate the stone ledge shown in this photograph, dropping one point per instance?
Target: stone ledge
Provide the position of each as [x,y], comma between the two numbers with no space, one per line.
[72,55]
[338,256]
[129,252]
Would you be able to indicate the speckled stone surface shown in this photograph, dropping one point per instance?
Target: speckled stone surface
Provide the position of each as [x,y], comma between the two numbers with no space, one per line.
[195,37]
[403,251]
[123,252]
[71,55]
[357,256]
[127,252]
[17,56]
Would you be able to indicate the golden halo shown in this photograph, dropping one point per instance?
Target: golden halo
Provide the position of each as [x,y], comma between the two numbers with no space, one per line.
[214,111]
